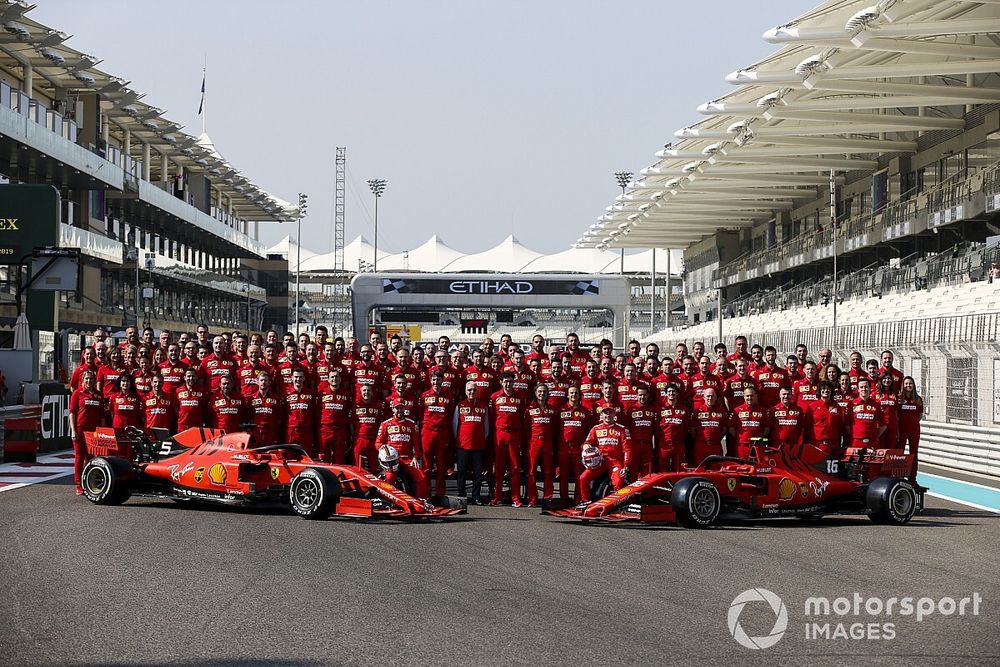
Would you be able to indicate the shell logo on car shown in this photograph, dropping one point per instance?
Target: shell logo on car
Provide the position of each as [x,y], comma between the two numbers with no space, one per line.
[217,473]
[786,489]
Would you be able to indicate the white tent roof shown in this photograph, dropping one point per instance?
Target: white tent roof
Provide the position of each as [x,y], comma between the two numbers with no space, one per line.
[510,256]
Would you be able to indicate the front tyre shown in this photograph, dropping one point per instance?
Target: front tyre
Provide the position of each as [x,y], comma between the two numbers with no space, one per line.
[314,493]
[891,501]
[105,480]
[696,502]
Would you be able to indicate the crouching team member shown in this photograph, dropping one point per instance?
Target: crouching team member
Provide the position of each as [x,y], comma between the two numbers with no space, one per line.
[605,451]
[471,427]
[402,434]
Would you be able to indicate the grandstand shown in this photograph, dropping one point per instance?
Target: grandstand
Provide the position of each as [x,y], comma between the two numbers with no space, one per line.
[895,108]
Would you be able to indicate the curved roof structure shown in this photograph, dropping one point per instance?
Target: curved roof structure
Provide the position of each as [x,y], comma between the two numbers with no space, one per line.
[853,80]
[505,256]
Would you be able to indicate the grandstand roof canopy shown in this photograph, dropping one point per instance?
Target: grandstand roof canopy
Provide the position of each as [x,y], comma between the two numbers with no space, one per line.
[61,71]
[853,79]
[509,256]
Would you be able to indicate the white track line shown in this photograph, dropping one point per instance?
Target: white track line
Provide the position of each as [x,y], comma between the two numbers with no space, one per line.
[48,467]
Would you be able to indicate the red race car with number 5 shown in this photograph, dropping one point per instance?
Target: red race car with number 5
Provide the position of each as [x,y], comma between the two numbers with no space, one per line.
[770,483]
[211,466]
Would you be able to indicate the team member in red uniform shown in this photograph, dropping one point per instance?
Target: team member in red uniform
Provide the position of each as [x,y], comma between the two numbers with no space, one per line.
[172,370]
[317,369]
[541,424]
[806,390]
[613,442]
[574,425]
[301,410]
[711,424]
[86,410]
[506,415]
[887,369]
[865,417]
[756,359]
[628,387]
[108,375]
[89,363]
[844,395]
[158,408]
[366,372]
[226,407]
[721,367]
[216,366]
[658,383]
[741,351]
[191,402]
[911,407]
[590,386]
[415,377]
[471,428]
[144,375]
[126,404]
[403,391]
[771,379]
[826,419]
[642,421]
[704,379]
[403,434]
[287,366]
[482,377]
[793,369]
[249,371]
[788,423]
[675,423]
[366,415]
[886,397]
[435,411]
[579,360]
[558,384]
[737,383]
[748,422]
[609,396]
[857,370]
[334,416]
[538,351]
[524,379]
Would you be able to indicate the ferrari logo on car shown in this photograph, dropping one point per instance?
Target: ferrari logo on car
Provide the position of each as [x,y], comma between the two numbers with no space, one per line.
[217,473]
[786,489]
[274,473]
[804,488]
[731,483]
[199,473]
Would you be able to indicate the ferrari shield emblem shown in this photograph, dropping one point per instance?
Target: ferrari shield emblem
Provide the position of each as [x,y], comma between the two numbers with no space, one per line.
[274,473]
[731,483]
[804,488]
[199,473]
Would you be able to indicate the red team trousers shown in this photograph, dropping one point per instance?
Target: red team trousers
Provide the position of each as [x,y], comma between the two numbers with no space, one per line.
[508,455]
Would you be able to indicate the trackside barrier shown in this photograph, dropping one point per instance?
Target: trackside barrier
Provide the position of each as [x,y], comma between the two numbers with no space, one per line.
[960,446]
[19,435]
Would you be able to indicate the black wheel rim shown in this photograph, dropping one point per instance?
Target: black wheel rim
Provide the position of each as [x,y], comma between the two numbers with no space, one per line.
[902,501]
[306,493]
[96,480]
[703,503]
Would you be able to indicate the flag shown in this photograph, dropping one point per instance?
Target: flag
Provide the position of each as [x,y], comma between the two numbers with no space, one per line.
[201,105]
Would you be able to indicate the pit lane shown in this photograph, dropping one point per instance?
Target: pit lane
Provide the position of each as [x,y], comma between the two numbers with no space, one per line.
[152,582]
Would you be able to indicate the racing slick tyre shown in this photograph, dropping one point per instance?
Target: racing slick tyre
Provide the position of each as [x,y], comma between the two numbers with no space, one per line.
[891,501]
[696,502]
[105,480]
[313,493]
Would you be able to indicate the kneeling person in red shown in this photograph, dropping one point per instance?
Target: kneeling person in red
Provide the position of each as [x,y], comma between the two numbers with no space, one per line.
[613,442]
[402,434]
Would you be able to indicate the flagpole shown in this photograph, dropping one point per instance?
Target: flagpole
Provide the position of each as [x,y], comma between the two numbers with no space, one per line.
[204,115]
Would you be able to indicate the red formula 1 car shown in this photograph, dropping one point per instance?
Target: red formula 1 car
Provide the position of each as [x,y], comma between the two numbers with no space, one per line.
[768,484]
[212,466]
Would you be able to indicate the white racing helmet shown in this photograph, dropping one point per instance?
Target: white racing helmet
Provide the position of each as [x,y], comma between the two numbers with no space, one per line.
[591,457]
[388,457]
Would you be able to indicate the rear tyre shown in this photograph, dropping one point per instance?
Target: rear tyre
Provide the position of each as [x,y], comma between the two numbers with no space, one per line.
[314,493]
[696,502]
[105,480]
[891,501]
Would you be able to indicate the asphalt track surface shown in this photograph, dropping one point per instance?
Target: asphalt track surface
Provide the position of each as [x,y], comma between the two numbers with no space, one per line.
[152,583]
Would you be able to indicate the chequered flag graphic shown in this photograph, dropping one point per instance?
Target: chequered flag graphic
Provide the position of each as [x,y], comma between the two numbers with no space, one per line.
[390,285]
[587,287]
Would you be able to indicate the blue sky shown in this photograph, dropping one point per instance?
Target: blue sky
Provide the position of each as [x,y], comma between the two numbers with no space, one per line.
[487,118]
